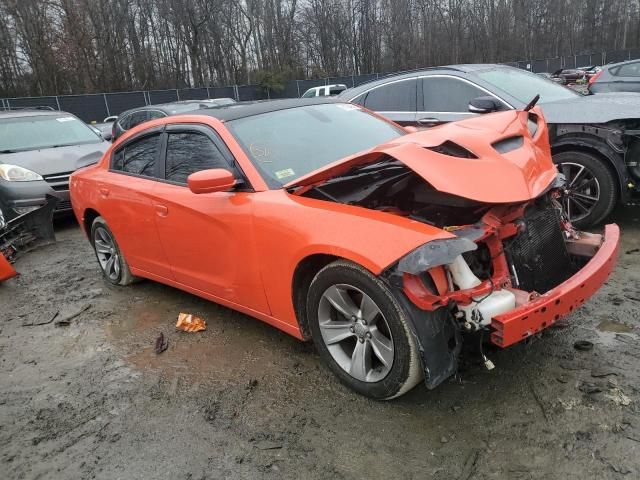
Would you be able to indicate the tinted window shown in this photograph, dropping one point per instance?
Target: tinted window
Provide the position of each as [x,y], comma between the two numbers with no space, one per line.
[309,93]
[316,135]
[526,85]
[394,97]
[188,153]
[448,94]
[137,118]
[629,70]
[154,114]
[138,157]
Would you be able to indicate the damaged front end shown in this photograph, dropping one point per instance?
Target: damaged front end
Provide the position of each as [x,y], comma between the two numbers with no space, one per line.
[523,269]
[513,264]
[24,233]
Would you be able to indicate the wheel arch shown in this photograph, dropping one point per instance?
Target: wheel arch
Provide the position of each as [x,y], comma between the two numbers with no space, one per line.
[612,160]
[88,216]
[303,274]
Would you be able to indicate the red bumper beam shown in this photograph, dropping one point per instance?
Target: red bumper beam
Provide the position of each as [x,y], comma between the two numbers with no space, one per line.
[545,310]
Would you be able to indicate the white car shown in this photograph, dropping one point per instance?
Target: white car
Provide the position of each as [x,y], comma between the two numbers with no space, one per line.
[325,90]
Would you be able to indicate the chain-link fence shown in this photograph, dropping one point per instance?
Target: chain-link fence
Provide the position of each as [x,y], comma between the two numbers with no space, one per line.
[96,107]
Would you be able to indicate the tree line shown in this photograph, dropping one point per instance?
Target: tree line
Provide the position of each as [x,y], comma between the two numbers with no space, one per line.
[83,46]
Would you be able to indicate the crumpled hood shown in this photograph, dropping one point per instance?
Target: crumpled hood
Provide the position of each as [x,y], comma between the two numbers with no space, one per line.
[49,161]
[598,108]
[520,174]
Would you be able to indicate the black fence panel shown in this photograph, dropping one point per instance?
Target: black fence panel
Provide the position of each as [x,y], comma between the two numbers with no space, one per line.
[596,59]
[634,54]
[162,96]
[290,90]
[193,94]
[569,62]
[222,92]
[32,102]
[538,66]
[583,61]
[616,56]
[251,92]
[119,102]
[90,108]
[554,64]
[511,64]
[360,79]
[344,80]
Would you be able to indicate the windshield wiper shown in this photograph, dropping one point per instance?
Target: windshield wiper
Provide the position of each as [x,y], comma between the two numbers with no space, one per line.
[8,151]
[63,145]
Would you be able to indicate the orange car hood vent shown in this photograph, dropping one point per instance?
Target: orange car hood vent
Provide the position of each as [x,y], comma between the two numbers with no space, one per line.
[515,175]
[453,150]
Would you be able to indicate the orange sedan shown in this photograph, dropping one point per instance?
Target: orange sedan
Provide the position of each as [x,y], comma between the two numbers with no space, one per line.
[382,245]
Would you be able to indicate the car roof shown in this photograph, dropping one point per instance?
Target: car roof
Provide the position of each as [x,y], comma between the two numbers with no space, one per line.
[31,112]
[238,110]
[166,107]
[461,68]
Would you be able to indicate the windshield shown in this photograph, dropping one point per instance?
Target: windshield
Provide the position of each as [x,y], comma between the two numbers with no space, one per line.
[287,144]
[40,131]
[525,85]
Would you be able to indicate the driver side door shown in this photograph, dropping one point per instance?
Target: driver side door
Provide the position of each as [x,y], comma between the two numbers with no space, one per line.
[207,238]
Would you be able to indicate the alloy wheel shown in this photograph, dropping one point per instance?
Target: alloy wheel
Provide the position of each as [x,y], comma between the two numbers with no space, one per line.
[356,333]
[581,192]
[107,253]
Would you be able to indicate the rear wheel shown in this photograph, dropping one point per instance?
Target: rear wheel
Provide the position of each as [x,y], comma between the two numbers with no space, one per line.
[111,260]
[361,332]
[590,193]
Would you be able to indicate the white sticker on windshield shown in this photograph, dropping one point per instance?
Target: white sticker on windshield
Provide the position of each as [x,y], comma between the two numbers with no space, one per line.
[284,173]
[348,106]
[65,119]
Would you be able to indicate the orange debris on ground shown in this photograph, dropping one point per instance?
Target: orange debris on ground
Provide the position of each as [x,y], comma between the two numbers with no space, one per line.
[190,323]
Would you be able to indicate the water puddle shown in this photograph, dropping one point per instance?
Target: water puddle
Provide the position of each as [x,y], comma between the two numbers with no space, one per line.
[611,332]
[614,327]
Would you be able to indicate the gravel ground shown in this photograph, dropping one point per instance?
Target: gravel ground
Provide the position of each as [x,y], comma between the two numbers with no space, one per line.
[243,400]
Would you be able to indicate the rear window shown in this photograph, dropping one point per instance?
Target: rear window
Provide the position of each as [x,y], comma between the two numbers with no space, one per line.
[44,131]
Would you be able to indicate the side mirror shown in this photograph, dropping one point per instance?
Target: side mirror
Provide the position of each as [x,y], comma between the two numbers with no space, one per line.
[410,129]
[484,105]
[106,136]
[212,180]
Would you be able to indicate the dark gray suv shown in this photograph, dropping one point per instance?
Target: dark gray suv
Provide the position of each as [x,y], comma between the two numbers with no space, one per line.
[595,139]
[39,149]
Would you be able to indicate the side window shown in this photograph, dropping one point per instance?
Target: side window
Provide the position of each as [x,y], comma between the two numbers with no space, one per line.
[191,152]
[155,114]
[448,94]
[138,157]
[629,70]
[137,118]
[359,99]
[309,94]
[393,97]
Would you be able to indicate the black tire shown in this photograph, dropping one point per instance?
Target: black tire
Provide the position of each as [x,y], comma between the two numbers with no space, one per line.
[405,371]
[120,274]
[604,187]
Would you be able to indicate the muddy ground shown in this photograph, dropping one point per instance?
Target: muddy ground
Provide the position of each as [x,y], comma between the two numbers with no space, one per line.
[243,400]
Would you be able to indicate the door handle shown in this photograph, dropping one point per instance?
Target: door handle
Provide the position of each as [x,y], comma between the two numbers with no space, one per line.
[428,122]
[104,191]
[162,210]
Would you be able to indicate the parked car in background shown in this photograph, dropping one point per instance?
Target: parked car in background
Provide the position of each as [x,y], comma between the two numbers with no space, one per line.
[617,77]
[325,91]
[595,139]
[576,75]
[381,246]
[39,150]
[551,77]
[110,119]
[104,129]
[134,117]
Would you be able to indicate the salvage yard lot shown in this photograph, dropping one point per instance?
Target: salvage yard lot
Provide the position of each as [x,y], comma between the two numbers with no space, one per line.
[243,400]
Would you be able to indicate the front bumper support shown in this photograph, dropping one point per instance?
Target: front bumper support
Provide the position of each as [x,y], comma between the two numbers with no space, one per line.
[543,311]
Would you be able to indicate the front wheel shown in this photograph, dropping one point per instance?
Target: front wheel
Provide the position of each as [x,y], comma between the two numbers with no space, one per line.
[361,332]
[590,193]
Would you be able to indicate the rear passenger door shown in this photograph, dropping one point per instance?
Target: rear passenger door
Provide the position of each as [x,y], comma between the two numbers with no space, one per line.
[396,100]
[208,238]
[445,98]
[125,201]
